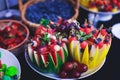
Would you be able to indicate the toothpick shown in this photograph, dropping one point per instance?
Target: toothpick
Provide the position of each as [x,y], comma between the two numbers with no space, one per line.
[101,27]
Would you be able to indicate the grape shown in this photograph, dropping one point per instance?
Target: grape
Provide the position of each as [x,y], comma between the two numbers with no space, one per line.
[68,66]
[82,68]
[75,64]
[75,74]
[72,69]
[63,74]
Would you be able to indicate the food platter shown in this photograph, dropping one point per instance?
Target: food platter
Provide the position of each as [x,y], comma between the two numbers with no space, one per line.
[55,76]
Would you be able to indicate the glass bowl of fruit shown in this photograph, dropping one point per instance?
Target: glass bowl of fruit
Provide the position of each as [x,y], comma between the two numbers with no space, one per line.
[9,66]
[13,35]
[100,10]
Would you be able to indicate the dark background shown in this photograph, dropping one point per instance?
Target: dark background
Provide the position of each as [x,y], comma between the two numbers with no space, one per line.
[109,71]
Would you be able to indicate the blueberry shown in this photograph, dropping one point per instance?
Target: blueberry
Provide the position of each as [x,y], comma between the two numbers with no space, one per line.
[94,32]
[83,26]
[15,77]
[108,30]
[73,35]
[65,36]
[81,40]
[58,43]
[96,41]
[53,26]
[106,40]
[89,25]
[24,35]
[99,39]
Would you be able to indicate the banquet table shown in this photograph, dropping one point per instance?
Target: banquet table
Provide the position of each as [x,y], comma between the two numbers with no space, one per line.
[109,71]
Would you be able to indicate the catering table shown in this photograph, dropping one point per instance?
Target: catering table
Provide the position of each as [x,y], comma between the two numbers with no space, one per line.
[109,71]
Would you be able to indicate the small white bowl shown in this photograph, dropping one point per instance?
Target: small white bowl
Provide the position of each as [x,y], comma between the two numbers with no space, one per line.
[10,60]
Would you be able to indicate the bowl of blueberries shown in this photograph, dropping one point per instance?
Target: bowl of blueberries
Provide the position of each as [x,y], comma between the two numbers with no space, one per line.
[34,10]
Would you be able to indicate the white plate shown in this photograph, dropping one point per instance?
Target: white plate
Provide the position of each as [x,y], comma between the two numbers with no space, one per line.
[55,76]
[10,60]
[116,30]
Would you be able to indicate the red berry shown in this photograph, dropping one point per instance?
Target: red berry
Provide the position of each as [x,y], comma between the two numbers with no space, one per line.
[68,66]
[17,40]
[12,45]
[87,30]
[15,26]
[108,8]
[1,39]
[118,4]
[82,29]
[19,33]
[9,41]
[103,32]
[53,41]
[60,20]
[100,45]
[106,2]
[99,3]
[115,2]
[8,28]
[83,44]
[72,38]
